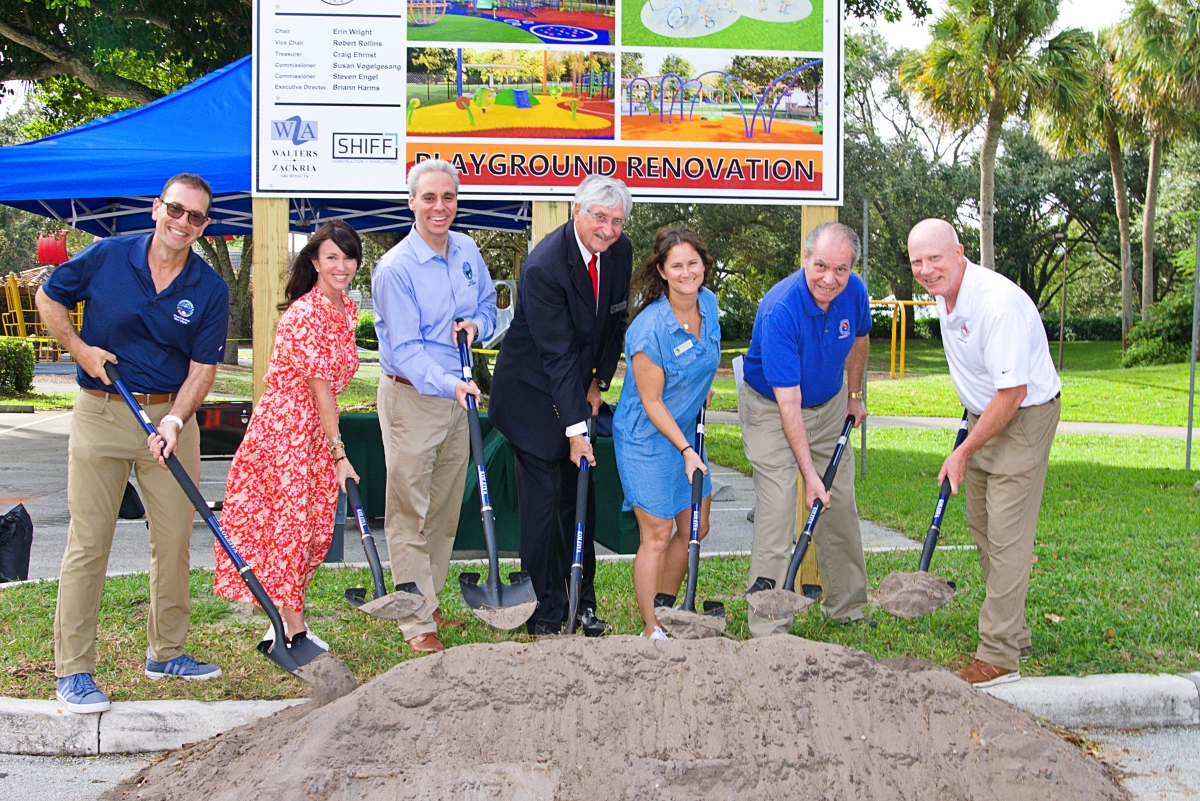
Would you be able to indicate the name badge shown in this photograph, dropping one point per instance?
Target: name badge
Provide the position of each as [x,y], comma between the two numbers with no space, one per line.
[616,307]
[684,348]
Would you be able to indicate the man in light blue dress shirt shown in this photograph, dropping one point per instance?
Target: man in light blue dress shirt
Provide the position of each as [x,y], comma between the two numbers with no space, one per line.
[420,287]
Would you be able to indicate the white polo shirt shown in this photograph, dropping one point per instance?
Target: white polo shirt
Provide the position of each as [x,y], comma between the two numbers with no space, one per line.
[994,340]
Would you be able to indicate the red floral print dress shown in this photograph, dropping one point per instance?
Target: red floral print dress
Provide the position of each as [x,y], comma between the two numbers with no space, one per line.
[282,490]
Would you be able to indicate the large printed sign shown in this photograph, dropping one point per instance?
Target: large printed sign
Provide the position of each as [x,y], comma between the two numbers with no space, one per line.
[718,100]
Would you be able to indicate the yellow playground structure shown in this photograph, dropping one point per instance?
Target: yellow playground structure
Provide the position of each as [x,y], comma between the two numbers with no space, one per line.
[21,318]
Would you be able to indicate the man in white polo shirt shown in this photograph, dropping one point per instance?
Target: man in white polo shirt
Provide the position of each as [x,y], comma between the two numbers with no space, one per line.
[1000,365]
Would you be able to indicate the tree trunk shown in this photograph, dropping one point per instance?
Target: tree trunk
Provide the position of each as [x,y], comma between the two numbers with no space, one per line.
[1156,148]
[987,185]
[241,317]
[1116,162]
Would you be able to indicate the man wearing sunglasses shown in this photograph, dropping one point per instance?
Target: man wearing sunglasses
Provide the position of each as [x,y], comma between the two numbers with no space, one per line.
[559,353]
[154,307]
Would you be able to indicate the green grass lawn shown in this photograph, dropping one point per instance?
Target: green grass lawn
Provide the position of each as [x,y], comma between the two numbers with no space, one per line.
[239,382]
[745,34]
[41,401]
[1116,554]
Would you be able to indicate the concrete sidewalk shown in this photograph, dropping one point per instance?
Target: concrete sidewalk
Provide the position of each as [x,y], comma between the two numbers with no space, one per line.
[1117,701]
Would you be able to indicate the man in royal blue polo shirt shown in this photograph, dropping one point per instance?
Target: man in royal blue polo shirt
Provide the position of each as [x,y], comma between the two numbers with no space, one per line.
[159,311]
[810,327]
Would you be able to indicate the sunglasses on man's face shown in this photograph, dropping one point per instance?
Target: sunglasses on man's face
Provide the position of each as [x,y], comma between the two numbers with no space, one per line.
[175,211]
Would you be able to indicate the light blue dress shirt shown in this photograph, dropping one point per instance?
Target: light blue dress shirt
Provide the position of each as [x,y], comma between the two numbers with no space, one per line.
[418,294]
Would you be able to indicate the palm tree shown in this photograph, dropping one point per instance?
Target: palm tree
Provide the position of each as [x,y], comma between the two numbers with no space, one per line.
[1066,132]
[990,59]
[1157,78]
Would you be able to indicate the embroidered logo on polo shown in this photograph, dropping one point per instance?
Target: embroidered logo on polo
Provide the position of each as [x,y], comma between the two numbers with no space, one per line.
[963,333]
[843,329]
[183,311]
[468,272]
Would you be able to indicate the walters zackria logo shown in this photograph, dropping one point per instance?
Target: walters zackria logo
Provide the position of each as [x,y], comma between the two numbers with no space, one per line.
[294,129]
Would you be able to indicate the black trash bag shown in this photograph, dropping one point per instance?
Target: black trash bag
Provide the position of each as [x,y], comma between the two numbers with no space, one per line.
[131,504]
[16,537]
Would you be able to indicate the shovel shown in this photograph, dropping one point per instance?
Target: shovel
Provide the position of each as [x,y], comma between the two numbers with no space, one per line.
[581,499]
[909,595]
[327,676]
[763,597]
[501,606]
[406,601]
[687,623]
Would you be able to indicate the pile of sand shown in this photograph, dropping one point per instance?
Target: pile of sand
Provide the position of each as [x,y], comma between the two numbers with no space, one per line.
[629,718]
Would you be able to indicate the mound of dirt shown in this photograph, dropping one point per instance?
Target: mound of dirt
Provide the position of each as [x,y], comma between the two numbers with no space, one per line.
[632,718]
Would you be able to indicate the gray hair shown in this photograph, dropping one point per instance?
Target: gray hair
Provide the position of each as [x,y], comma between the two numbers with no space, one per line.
[431,165]
[838,229]
[600,190]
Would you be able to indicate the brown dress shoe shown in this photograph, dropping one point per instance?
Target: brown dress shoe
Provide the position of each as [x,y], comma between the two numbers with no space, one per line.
[981,674]
[427,643]
[444,623]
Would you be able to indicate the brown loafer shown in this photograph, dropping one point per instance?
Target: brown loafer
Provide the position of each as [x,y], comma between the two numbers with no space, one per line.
[427,643]
[981,674]
[444,623]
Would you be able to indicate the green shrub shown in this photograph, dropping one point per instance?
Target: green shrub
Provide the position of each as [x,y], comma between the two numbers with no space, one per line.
[1165,337]
[365,333]
[1087,329]
[928,328]
[16,365]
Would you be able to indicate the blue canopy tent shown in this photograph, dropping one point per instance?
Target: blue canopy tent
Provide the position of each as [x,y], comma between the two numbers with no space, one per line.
[102,176]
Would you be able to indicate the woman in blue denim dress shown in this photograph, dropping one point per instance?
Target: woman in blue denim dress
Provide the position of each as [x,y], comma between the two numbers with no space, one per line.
[672,349]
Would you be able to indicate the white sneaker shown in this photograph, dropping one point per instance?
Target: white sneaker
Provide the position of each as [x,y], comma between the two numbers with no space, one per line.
[658,634]
[313,638]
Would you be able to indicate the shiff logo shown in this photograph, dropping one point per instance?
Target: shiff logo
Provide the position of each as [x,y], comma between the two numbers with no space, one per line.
[843,329]
[294,129]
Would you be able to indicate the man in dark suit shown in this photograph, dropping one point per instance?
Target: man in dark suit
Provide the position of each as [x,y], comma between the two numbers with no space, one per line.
[558,355]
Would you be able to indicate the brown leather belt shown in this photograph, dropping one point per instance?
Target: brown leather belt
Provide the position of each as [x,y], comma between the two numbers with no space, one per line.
[400,379]
[145,400]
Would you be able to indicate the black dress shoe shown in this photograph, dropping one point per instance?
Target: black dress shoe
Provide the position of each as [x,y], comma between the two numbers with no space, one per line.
[592,626]
[663,599]
[544,626]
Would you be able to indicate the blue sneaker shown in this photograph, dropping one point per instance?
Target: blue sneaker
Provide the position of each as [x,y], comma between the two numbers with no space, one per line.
[79,694]
[182,666]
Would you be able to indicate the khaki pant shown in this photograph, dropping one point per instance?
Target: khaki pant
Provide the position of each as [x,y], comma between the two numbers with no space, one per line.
[426,446]
[1004,486]
[837,537]
[105,442]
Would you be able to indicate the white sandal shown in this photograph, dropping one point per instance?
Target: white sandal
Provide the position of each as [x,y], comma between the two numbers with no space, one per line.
[658,634]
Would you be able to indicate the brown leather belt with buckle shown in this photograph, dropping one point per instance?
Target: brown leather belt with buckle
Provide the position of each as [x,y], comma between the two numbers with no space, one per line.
[145,400]
[400,379]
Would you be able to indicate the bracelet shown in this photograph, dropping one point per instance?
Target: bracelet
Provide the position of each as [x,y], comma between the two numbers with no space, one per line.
[335,443]
[170,418]
[340,458]
[686,447]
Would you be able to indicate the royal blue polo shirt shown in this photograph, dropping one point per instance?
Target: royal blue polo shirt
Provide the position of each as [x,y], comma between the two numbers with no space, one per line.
[795,343]
[154,335]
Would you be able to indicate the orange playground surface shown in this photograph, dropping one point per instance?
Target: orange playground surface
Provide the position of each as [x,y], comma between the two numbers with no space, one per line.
[728,129]
[547,120]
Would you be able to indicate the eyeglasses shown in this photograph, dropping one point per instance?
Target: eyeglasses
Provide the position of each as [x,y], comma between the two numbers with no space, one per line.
[617,222]
[175,211]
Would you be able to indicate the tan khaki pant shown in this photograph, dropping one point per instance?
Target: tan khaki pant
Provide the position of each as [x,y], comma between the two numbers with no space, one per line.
[837,537]
[1004,486]
[105,442]
[426,446]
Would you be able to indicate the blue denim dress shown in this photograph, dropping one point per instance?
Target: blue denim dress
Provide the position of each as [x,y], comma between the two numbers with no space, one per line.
[651,467]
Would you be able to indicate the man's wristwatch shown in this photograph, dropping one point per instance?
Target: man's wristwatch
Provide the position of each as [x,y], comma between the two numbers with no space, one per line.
[856,395]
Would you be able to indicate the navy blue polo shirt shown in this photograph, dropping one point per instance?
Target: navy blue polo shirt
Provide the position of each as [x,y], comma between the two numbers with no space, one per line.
[795,343]
[154,335]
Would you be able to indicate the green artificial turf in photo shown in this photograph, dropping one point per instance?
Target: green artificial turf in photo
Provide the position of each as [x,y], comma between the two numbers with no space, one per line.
[458,28]
[806,35]
[1113,588]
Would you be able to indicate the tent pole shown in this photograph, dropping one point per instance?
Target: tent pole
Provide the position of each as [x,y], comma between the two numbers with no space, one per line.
[268,278]
[547,216]
[1195,337]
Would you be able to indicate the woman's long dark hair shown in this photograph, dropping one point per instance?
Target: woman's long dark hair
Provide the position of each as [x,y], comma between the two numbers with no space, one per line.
[304,276]
[649,285]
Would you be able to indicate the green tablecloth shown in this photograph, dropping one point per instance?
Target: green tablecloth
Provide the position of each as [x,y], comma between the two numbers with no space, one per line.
[616,530]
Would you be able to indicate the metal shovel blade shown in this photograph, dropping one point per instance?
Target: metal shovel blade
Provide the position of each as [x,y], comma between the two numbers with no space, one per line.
[909,595]
[405,601]
[501,606]
[766,600]
[685,625]
[326,676]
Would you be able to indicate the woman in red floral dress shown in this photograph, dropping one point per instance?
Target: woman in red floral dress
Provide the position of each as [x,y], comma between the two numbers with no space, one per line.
[282,490]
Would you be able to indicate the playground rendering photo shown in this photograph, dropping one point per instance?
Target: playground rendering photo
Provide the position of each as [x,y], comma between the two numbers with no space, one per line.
[539,94]
[556,22]
[794,25]
[721,106]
